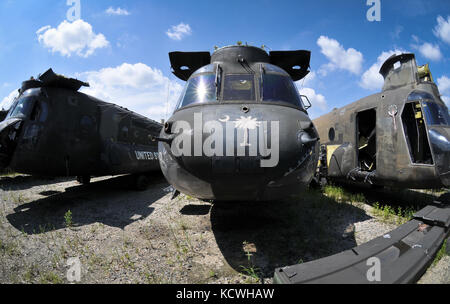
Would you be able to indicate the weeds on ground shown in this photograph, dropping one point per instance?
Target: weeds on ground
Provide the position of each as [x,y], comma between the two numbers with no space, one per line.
[393,215]
[50,278]
[340,195]
[68,219]
[250,270]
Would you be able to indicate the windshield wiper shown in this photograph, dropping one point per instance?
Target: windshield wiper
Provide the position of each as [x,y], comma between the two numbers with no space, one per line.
[218,81]
[262,71]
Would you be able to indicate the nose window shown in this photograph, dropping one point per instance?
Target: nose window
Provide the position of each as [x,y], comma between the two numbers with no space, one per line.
[23,108]
[239,87]
[436,114]
[279,88]
[199,89]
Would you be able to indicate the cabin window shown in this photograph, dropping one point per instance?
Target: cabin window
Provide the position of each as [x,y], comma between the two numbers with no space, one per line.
[436,114]
[239,87]
[141,136]
[199,89]
[367,140]
[124,130]
[87,125]
[416,134]
[279,88]
[332,134]
[123,136]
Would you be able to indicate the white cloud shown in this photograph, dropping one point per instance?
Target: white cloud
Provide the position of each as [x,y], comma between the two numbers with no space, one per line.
[444,84]
[178,32]
[350,59]
[309,80]
[372,79]
[429,51]
[71,38]
[442,29]
[7,102]
[138,87]
[318,101]
[446,99]
[444,88]
[118,11]
[315,99]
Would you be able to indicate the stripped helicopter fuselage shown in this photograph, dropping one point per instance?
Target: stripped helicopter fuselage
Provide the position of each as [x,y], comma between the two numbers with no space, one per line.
[399,137]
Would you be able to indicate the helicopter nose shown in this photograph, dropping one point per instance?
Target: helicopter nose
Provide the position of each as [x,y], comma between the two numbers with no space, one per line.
[8,137]
[440,141]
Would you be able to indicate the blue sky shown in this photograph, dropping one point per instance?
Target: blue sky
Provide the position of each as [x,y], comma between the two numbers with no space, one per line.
[121,47]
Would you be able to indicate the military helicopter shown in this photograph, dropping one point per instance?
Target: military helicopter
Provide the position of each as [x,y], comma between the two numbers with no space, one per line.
[241,130]
[398,138]
[53,130]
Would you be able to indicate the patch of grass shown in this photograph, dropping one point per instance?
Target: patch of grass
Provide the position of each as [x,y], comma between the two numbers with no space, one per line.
[31,273]
[250,270]
[340,195]
[126,261]
[50,278]
[212,274]
[392,215]
[8,248]
[336,193]
[68,219]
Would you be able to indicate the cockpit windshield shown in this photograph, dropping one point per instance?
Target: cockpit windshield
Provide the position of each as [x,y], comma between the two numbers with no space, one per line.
[239,87]
[436,114]
[279,88]
[22,108]
[199,89]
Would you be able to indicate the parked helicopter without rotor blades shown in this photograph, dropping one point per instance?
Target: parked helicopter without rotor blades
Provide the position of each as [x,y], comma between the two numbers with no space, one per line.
[241,130]
[53,130]
[397,138]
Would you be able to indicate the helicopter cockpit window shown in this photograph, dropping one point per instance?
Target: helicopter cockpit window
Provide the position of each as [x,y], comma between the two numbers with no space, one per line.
[199,89]
[436,114]
[22,108]
[40,112]
[279,88]
[239,87]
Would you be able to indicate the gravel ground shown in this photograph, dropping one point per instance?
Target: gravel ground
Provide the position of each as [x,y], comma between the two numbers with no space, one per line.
[123,236]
